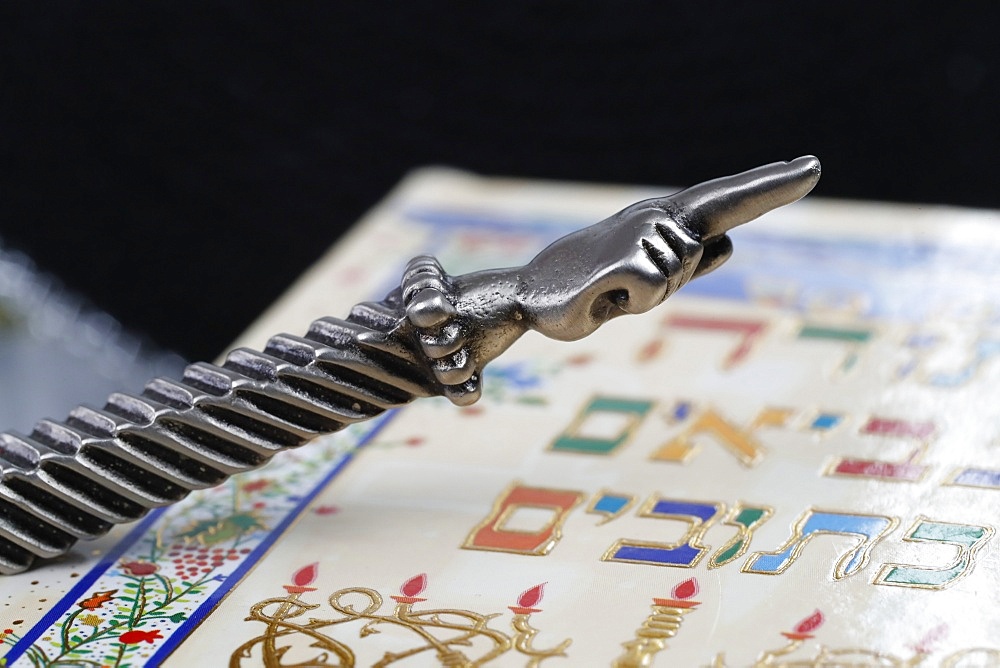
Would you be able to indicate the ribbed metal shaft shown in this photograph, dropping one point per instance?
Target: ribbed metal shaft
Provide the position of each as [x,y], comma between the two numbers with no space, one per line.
[77,478]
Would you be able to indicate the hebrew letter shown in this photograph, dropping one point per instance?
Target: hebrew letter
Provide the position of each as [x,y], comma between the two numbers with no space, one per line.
[746,519]
[739,442]
[501,532]
[611,505]
[925,346]
[825,421]
[685,553]
[968,538]
[749,331]
[878,426]
[603,426]
[855,338]
[869,528]
[908,469]
[973,477]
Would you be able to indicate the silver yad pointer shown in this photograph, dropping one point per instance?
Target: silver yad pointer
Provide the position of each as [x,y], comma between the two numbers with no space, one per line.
[432,335]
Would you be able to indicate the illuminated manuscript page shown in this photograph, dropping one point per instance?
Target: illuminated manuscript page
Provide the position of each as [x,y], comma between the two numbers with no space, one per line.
[792,462]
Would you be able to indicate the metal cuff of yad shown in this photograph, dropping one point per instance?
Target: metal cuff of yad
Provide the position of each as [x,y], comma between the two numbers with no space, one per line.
[431,336]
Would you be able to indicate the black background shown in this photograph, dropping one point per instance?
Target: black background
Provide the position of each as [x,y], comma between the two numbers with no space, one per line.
[180,163]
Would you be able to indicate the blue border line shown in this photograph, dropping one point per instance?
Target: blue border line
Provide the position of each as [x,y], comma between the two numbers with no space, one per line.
[178,635]
[81,587]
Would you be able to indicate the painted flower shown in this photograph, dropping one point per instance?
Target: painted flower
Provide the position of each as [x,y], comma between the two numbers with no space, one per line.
[135,637]
[139,568]
[97,599]
[90,620]
[256,485]
[518,376]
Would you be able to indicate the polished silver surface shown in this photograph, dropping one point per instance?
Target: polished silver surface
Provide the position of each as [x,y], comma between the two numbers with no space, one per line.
[433,335]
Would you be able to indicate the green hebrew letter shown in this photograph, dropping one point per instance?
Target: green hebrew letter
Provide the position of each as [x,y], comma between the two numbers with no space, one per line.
[603,426]
[968,538]
[746,519]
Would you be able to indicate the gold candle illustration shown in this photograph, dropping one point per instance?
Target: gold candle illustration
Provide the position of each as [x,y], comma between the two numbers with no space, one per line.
[524,632]
[662,624]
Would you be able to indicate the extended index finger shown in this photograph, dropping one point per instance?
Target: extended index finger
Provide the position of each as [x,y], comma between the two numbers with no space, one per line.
[713,208]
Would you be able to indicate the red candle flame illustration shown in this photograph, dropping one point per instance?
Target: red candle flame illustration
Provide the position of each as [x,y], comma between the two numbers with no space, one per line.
[810,623]
[685,590]
[414,586]
[529,598]
[930,639]
[804,628]
[302,578]
[680,595]
[306,575]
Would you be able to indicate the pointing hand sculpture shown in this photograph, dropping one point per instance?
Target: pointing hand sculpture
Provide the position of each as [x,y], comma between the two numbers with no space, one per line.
[431,336]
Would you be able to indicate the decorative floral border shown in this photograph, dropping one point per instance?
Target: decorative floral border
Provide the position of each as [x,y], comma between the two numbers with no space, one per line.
[140,602]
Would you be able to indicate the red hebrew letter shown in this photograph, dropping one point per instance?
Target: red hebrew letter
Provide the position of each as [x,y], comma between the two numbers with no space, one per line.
[907,469]
[748,330]
[500,532]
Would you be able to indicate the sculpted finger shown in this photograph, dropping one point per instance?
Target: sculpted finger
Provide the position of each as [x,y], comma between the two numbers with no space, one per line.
[422,272]
[454,369]
[674,252]
[445,341]
[713,208]
[466,393]
[429,308]
[715,254]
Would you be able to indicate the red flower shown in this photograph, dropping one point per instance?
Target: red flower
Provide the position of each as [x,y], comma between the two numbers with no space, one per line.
[256,485]
[97,599]
[136,637]
[139,568]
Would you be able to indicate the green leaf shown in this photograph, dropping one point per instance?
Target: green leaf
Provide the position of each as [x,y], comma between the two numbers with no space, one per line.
[198,528]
